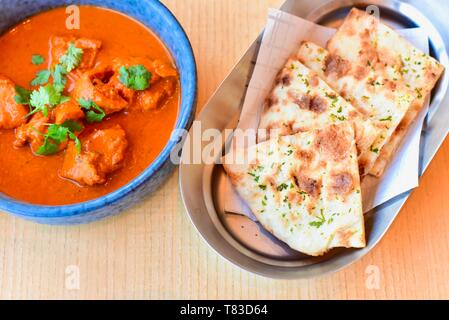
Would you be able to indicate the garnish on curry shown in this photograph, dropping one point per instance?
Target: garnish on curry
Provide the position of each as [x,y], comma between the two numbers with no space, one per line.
[94,105]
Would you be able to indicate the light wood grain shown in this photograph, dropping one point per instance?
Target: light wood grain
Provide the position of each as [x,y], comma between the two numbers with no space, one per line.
[152,251]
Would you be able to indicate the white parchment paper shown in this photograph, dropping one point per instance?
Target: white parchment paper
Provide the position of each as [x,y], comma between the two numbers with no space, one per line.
[283,34]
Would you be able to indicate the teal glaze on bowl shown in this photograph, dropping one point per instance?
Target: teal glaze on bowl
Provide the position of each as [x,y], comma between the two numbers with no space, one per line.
[161,21]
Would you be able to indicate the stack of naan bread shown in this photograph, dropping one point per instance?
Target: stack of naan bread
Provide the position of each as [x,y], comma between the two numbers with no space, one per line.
[333,116]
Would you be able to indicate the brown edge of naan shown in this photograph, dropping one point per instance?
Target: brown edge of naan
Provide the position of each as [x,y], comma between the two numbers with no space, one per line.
[389,149]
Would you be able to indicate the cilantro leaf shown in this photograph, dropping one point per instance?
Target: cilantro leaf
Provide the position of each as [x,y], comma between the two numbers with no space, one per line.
[72,125]
[76,140]
[72,58]
[318,223]
[37,59]
[93,112]
[135,77]
[47,148]
[43,98]
[84,103]
[64,99]
[59,74]
[57,134]
[42,77]
[22,95]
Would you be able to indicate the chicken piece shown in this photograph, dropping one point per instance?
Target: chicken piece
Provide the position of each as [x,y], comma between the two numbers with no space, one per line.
[164,70]
[102,153]
[99,86]
[157,68]
[82,167]
[59,45]
[162,83]
[111,144]
[12,114]
[31,132]
[69,110]
[155,96]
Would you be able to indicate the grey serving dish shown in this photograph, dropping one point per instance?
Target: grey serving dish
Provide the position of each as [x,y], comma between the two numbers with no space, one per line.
[244,242]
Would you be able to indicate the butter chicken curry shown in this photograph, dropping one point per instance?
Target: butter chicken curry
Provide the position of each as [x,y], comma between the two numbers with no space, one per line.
[82,112]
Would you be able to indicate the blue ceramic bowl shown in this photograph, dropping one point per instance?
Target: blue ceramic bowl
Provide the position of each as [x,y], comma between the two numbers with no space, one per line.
[161,21]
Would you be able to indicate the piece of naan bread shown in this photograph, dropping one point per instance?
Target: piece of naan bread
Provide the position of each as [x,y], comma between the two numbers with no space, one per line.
[363,39]
[304,188]
[301,101]
[380,94]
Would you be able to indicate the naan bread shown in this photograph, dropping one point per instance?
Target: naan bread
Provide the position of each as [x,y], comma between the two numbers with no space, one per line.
[304,188]
[375,93]
[301,101]
[363,39]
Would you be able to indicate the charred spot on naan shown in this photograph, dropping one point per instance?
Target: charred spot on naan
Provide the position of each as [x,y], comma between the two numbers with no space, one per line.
[308,102]
[307,184]
[318,104]
[301,100]
[305,156]
[344,235]
[341,183]
[271,101]
[333,143]
[336,66]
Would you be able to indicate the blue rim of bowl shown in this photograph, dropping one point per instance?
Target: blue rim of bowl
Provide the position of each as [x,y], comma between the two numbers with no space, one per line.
[185,116]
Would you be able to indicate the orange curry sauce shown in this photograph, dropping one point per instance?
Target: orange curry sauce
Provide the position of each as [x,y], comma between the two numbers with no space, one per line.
[36,179]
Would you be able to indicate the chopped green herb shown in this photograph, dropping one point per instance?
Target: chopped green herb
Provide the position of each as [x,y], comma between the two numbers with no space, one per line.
[37,59]
[135,77]
[282,186]
[263,186]
[419,93]
[72,58]
[93,112]
[22,95]
[57,134]
[335,117]
[375,150]
[256,177]
[318,223]
[59,74]
[389,118]
[41,78]
[264,200]
[45,97]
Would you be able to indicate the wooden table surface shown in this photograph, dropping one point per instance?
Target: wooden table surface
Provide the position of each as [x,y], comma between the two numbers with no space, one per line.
[152,251]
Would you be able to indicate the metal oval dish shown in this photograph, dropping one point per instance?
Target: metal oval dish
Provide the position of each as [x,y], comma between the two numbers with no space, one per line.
[161,21]
[244,242]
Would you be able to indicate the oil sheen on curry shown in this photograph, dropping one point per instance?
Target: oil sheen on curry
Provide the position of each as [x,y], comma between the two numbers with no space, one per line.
[82,112]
